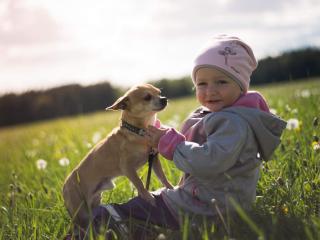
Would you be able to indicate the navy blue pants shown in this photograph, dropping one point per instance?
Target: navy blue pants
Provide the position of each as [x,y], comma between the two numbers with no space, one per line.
[134,217]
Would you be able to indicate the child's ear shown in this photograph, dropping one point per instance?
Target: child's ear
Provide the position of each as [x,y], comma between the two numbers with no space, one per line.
[120,104]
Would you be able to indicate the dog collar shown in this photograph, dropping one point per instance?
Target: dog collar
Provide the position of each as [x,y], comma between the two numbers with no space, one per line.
[141,132]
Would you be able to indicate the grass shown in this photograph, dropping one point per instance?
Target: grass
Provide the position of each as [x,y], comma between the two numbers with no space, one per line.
[288,201]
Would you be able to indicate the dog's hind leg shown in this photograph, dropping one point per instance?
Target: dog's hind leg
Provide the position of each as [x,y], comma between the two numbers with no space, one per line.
[77,207]
[95,199]
[105,184]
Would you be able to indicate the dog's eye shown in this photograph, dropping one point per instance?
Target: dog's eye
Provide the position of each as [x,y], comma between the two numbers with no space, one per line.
[147,97]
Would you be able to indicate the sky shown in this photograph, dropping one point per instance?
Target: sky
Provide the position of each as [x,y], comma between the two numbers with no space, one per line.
[48,43]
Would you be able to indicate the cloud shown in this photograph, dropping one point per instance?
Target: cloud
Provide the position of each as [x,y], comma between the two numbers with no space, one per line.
[129,42]
[27,35]
[31,38]
[269,26]
[24,26]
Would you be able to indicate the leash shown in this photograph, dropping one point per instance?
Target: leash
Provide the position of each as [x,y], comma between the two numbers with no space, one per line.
[152,154]
[151,157]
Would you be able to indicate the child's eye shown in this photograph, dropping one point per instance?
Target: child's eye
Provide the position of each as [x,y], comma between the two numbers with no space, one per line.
[222,82]
[201,84]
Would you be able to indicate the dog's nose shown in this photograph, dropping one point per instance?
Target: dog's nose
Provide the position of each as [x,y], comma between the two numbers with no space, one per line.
[163,101]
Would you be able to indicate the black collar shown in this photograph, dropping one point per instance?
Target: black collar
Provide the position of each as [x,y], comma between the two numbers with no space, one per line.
[140,131]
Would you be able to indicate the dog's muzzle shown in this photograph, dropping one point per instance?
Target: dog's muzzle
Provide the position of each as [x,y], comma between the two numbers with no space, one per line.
[163,101]
[161,104]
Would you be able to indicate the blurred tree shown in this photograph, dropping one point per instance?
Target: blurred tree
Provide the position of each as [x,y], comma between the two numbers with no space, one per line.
[292,65]
[56,102]
[74,99]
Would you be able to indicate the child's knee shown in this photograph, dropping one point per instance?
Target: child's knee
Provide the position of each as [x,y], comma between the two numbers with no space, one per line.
[100,215]
[106,220]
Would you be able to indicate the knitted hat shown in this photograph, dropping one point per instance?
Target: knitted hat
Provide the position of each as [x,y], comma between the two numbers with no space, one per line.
[230,55]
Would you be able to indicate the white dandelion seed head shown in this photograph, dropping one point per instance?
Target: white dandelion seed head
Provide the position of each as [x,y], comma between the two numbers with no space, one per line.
[161,236]
[305,93]
[273,111]
[288,108]
[64,162]
[41,164]
[96,137]
[31,153]
[316,147]
[292,123]
[87,144]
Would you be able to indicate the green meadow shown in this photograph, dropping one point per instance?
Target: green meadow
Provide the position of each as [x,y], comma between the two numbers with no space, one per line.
[36,158]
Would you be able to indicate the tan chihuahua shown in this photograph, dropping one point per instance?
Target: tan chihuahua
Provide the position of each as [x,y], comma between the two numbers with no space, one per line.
[122,152]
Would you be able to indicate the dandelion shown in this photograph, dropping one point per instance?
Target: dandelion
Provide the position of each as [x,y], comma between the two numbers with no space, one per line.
[315,122]
[305,93]
[87,144]
[285,209]
[64,162]
[96,137]
[316,146]
[287,108]
[273,111]
[41,164]
[31,153]
[161,236]
[293,124]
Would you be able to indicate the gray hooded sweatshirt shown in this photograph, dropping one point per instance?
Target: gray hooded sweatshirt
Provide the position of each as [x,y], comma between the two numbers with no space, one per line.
[221,159]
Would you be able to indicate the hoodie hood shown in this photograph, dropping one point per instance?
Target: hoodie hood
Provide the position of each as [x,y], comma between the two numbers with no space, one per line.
[267,128]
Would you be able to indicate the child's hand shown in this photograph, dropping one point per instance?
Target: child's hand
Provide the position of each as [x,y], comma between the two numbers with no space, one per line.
[154,134]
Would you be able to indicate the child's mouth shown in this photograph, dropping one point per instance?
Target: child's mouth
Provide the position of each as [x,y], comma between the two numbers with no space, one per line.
[213,101]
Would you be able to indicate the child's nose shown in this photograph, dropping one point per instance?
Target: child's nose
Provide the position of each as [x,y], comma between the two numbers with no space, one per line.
[212,88]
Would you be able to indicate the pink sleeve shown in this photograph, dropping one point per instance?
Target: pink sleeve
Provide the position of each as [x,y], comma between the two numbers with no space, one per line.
[169,142]
[252,99]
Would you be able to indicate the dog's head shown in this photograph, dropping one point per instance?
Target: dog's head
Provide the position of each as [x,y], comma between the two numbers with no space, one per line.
[141,100]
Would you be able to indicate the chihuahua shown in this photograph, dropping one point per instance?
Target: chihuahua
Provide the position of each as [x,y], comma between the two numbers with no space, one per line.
[121,153]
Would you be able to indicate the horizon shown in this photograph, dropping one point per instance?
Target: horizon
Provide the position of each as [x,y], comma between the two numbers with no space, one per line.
[124,87]
[45,44]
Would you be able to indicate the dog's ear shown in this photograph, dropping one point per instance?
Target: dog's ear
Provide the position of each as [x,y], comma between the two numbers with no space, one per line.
[120,104]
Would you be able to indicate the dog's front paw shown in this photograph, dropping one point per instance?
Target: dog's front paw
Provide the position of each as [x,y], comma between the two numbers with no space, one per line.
[148,197]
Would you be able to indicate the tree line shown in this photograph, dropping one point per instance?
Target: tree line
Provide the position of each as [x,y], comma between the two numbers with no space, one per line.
[291,65]
[61,101]
[76,99]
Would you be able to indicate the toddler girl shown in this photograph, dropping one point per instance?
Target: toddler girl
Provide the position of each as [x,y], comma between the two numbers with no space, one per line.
[220,147]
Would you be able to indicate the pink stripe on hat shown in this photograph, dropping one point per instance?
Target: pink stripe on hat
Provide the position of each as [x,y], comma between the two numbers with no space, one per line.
[230,55]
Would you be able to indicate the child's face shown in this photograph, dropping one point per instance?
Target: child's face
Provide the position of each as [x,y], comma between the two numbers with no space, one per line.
[215,90]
